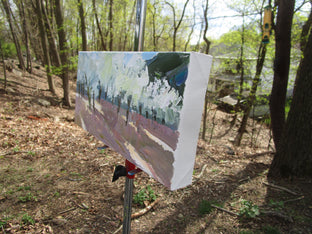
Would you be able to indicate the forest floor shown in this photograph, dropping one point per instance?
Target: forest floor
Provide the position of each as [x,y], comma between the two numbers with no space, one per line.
[55,179]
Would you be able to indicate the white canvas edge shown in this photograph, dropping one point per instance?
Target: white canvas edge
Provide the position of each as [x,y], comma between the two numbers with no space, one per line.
[191,114]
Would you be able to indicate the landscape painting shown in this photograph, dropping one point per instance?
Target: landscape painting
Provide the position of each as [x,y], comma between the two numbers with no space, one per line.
[134,102]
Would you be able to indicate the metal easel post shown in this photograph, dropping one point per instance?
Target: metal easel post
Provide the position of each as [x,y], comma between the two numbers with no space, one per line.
[138,46]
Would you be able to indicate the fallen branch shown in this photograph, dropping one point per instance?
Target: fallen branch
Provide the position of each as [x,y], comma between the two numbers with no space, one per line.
[279,215]
[296,199]
[65,211]
[202,172]
[260,154]
[280,188]
[118,229]
[224,210]
[145,210]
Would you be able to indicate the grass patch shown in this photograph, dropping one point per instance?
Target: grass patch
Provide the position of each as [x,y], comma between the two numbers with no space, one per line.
[27,219]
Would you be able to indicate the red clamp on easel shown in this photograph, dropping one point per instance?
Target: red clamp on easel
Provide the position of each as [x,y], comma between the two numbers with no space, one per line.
[131,171]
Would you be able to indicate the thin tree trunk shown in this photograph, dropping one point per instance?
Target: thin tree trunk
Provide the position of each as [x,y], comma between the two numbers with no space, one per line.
[53,51]
[206,28]
[6,6]
[3,63]
[175,25]
[242,74]
[83,26]
[103,44]
[281,67]
[129,26]
[45,48]
[26,35]
[252,95]
[206,51]
[110,21]
[64,51]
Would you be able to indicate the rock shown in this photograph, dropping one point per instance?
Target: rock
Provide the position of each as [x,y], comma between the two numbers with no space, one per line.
[16,72]
[43,102]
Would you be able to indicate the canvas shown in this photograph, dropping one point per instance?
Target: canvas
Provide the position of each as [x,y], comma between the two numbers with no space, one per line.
[147,106]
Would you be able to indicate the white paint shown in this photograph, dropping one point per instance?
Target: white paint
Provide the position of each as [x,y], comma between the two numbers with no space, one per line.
[193,103]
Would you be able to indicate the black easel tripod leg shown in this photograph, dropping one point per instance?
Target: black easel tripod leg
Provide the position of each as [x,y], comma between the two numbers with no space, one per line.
[127,206]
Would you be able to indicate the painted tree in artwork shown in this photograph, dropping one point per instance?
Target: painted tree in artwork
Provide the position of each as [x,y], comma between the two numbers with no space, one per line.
[294,154]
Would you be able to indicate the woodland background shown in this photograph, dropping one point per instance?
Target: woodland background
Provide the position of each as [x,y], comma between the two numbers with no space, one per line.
[52,172]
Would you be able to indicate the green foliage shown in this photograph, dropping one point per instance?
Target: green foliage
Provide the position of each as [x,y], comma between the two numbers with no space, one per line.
[27,219]
[205,207]
[277,205]
[16,149]
[2,223]
[8,48]
[248,209]
[145,194]
[28,197]
[31,153]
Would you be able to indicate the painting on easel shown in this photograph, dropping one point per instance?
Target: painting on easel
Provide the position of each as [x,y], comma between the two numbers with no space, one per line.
[146,106]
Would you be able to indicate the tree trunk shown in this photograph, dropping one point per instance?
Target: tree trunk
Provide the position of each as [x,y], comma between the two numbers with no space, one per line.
[252,95]
[3,63]
[294,156]
[63,51]
[53,51]
[83,26]
[26,35]
[44,43]
[110,21]
[7,9]
[103,44]
[206,52]
[175,25]
[281,67]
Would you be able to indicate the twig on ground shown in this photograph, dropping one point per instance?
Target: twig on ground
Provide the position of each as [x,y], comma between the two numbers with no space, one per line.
[278,214]
[260,154]
[145,210]
[65,211]
[118,229]
[201,172]
[280,188]
[296,199]
[224,210]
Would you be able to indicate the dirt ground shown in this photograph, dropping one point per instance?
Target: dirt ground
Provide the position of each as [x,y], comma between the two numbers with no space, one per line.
[55,179]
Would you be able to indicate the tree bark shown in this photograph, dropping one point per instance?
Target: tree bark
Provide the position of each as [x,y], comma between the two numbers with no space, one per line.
[83,26]
[53,51]
[252,95]
[4,71]
[26,35]
[110,22]
[206,52]
[44,43]
[176,25]
[63,51]
[7,9]
[103,44]
[294,156]
[281,67]
[305,30]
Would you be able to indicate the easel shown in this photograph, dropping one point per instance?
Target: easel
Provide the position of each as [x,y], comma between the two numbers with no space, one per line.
[129,170]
